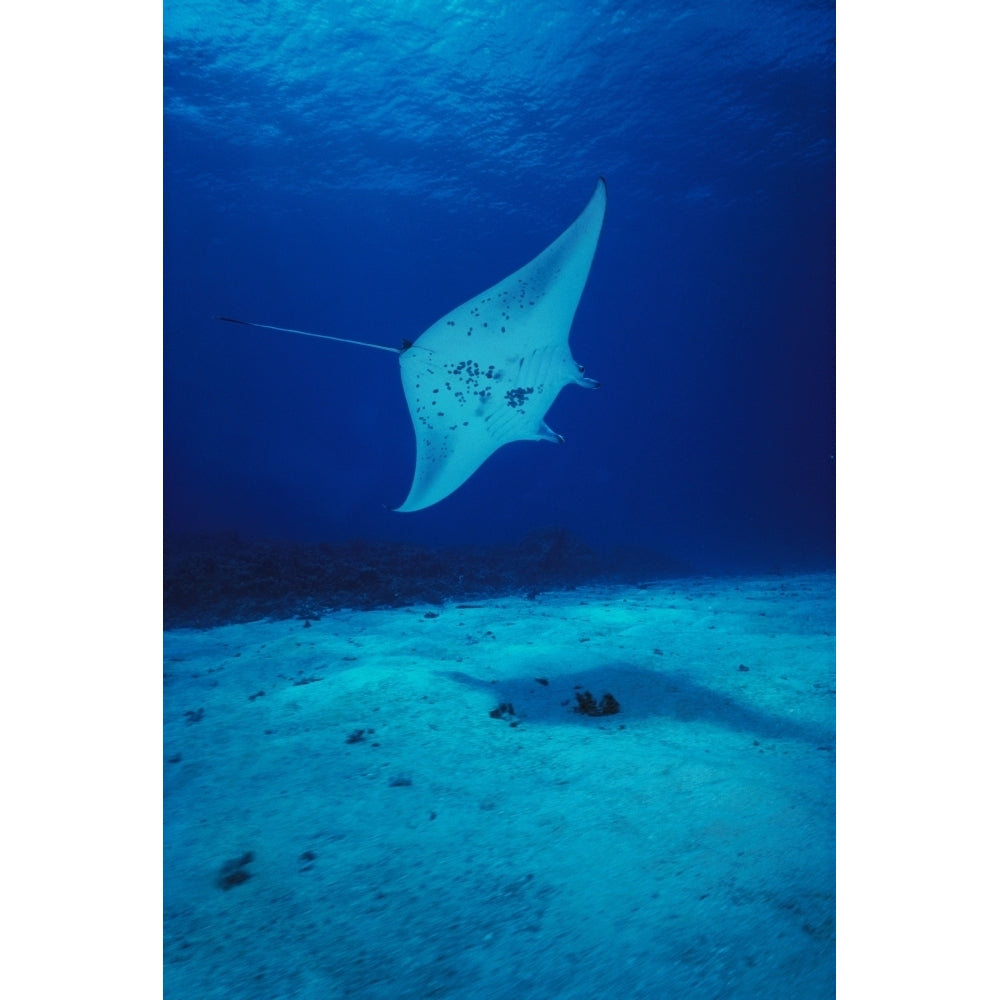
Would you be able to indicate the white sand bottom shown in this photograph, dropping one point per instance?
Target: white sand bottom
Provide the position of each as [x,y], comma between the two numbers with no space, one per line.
[681,848]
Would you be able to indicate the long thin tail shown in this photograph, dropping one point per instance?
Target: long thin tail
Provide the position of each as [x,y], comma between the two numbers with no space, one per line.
[304,333]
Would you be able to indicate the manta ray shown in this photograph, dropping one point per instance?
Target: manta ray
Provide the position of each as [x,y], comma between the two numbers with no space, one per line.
[487,372]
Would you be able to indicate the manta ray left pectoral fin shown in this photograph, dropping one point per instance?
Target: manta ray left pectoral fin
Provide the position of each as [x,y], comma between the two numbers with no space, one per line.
[487,372]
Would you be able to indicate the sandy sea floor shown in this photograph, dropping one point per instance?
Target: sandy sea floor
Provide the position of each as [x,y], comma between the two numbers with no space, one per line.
[344,817]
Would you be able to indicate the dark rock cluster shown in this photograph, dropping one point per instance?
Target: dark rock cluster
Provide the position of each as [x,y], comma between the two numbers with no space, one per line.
[233,872]
[587,704]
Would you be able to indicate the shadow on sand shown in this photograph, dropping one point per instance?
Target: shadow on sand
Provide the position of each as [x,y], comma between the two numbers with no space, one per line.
[641,694]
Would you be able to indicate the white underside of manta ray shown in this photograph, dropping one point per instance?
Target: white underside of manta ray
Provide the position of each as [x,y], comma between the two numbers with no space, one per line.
[486,373]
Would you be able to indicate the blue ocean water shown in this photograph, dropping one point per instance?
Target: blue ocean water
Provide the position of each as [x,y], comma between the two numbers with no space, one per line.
[359,169]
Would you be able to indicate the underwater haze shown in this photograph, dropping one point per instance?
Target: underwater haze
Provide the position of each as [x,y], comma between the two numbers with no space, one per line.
[565,726]
[360,169]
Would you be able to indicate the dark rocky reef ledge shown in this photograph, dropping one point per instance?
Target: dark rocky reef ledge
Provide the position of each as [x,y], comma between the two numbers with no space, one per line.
[223,578]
